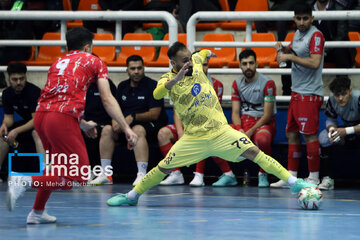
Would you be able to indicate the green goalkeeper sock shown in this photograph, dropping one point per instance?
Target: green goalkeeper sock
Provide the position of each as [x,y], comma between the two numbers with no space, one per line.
[272,166]
[151,179]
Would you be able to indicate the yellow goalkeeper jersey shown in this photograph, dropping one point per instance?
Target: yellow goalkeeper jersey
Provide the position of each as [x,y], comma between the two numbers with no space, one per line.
[195,100]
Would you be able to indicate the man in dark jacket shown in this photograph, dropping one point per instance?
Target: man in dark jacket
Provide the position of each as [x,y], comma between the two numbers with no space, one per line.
[334,31]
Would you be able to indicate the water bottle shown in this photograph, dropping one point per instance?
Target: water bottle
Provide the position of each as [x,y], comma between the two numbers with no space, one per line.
[17,5]
[246,180]
[14,144]
[281,64]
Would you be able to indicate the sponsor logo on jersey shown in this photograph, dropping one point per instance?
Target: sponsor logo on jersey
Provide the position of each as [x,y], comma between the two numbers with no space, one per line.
[317,44]
[196,89]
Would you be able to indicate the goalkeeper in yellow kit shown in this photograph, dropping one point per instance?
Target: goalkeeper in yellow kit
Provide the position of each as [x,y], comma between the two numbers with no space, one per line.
[206,131]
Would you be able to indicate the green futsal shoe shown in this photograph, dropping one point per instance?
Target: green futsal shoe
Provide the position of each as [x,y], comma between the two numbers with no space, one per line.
[300,184]
[225,181]
[121,199]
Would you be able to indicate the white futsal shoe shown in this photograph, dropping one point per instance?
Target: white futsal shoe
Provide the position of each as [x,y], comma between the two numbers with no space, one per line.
[327,183]
[279,184]
[41,217]
[102,179]
[312,180]
[198,180]
[139,176]
[17,185]
[175,178]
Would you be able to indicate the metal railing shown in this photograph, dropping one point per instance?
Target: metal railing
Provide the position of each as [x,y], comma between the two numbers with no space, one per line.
[117,16]
[249,17]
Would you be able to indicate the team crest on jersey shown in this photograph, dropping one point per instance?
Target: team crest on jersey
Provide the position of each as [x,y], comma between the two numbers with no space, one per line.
[123,97]
[317,43]
[196,89]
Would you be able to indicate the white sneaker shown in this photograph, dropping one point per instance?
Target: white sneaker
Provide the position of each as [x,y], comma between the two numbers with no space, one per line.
[39,218]
[175,178]
[198,180]
[139,176]
[280,184]
[102,179]
[17,187]
[327,183]
[313,181]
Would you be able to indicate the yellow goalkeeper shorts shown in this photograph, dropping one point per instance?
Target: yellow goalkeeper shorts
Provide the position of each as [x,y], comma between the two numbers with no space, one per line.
[226,143]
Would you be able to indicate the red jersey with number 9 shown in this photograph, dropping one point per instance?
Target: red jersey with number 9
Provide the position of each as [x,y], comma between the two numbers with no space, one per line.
[68,80]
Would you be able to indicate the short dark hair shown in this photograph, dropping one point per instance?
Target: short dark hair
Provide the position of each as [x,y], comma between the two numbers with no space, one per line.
[16,67]
[247,53]
[77,38]
[303,8]
[134,58]
[177,46]
[340,84]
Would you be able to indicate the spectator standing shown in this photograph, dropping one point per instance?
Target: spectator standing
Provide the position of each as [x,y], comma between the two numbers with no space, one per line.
[306,52]
[334,31]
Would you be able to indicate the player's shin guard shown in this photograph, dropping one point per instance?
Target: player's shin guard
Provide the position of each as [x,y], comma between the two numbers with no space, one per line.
[294,155]
[200,166]
[272,166]
[151,179]
[313,156]
[223,165]
[263,141]
[164,149]
[42,197]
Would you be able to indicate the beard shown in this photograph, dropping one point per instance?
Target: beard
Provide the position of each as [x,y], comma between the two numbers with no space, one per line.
[189,72]
[249,74]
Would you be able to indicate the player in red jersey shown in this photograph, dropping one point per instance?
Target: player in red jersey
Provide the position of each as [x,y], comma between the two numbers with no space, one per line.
[59,111]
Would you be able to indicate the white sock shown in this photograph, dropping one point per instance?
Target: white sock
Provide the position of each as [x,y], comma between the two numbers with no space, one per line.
[293,173]
[230,174]
[177,172]
[132,195]
[38,212]
[291,180]
[142,167]
[260,173]
[314,175]
[199,174]
[105,162]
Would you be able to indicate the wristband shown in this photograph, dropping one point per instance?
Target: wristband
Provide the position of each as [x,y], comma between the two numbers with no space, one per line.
[349,130]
